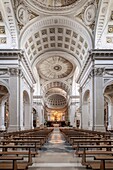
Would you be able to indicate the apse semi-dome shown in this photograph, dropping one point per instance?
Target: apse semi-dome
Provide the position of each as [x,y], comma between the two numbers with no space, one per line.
[55,67]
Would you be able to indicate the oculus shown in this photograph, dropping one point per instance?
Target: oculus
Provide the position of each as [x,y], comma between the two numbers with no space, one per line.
[55,67]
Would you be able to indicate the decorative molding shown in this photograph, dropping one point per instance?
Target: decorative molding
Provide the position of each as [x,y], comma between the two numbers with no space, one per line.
[97,72]
[3,72]
[38,103]
[74,97]
[15,71]
[11,25]
[56,6]
[108,73]
[104,7]
[23,13]
[37,97]
[88,14]
[105,80]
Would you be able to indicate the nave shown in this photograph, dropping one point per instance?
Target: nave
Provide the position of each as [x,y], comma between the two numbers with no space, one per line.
[56,154]
[56,149]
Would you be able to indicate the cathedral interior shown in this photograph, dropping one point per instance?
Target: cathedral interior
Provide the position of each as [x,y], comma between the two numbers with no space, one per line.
[56,83]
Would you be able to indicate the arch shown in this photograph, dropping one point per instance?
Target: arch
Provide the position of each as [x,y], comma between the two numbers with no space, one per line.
[37,27]
[26,110]
[86,110]
[109,82]
[108,105]
[4,106]
[86,95]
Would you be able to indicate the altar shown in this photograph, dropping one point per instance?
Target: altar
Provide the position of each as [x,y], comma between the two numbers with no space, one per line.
[56,125]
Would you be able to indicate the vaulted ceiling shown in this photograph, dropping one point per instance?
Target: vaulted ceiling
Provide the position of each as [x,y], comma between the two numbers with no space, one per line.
[56,36]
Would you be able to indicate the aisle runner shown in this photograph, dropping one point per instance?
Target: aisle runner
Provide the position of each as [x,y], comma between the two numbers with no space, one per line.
[56,153]
[57,143]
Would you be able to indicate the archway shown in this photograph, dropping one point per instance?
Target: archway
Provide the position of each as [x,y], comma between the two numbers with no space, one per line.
[86,110]
[34,118]
[108,107]
[26,110]
[4,107]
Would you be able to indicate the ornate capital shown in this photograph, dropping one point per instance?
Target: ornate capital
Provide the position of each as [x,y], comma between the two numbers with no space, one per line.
[32,90]
[97,72]
[80,90]
[15,71]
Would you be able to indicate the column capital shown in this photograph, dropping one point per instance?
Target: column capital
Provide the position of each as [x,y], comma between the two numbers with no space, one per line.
[15,71]
[97,72]
[80,90]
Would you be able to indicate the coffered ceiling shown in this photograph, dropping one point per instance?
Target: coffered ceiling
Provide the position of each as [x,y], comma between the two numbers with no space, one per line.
[56,36]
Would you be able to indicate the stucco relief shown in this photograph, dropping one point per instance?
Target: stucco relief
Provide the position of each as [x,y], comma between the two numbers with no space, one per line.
[97,72]
[54,6]
[89,14]
[22,14]
[54,3]
[15,71]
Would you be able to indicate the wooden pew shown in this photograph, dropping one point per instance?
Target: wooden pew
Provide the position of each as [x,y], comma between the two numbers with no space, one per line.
[42,139]
[36,143]
[103,165]
[14,165]
[85,147]
[6,147]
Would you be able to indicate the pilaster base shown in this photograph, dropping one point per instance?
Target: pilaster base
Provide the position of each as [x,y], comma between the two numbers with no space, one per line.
[27,128]
[2,127]
[100,128]
[90,128]
[13,128]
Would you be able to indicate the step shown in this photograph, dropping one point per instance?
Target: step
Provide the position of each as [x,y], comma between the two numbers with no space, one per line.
[61,165]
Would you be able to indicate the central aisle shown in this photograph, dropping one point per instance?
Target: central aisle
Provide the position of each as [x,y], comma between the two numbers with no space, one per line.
[56,154]
[56,143]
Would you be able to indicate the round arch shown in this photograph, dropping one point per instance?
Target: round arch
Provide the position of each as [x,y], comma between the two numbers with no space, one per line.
[4,106]
[26,110]
[108,105]
[86,110]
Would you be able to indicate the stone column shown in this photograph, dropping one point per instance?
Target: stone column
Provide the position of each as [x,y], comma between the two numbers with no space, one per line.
[2,116]
[72,113]
[98,100]
[31,103]
[80,92]
[14,106]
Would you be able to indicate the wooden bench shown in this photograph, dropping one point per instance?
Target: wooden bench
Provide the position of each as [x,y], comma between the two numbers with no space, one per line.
[23,142]
[103,165]
[87,141]
[73,139]
[42,139]
[95,152]
[6,147]
[12,165]
[84,162]
[18,153]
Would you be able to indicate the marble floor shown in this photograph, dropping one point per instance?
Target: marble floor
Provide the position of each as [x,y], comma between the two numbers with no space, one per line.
[56,154]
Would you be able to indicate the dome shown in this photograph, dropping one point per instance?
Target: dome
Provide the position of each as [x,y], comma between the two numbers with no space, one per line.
[55,3]
[55,67]
[55,6]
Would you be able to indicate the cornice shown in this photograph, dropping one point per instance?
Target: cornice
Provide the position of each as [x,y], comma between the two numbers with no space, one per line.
[19,55]
[100,54]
